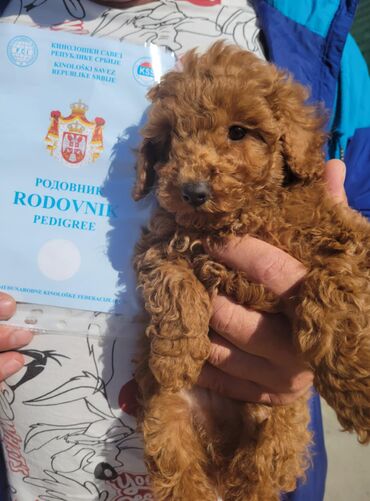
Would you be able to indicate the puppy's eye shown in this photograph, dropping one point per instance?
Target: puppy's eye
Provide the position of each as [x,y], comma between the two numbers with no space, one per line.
[237,132]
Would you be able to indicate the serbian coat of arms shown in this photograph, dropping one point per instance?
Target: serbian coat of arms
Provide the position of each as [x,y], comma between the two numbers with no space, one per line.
[74,139]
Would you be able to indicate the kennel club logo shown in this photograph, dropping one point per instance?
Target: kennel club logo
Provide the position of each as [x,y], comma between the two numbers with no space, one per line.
[74,139]
[143,72]
[22,51]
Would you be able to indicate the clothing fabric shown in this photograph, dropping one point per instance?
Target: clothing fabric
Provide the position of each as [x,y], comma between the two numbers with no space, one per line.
[84,446]
[176,25]
[311,40]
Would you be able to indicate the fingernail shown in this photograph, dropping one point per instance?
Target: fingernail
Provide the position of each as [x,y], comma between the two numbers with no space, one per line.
[342,169]
[6,305]
[339,165]
[10,367]
[20,337]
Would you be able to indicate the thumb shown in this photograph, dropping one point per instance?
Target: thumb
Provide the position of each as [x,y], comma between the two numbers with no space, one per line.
[334,176]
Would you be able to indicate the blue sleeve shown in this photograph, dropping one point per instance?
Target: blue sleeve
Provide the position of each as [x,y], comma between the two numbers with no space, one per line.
[313,488]
[352,126]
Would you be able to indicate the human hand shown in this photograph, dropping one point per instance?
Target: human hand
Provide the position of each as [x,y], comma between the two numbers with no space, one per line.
[252,354]
[11,338]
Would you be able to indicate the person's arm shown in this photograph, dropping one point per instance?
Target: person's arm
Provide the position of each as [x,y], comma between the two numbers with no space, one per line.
[11,338]
[253,356]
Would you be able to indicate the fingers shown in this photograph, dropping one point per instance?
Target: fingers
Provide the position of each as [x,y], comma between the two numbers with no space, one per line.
[240,389]
[241,365]
[228,386]
[253,358]
[10,363]
[334,175]
[11,338]
[265,264]
[7,306]
[278,377]
[260,334]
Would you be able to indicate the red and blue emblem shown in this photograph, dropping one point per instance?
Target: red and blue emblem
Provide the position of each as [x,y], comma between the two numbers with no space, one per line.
[143,71]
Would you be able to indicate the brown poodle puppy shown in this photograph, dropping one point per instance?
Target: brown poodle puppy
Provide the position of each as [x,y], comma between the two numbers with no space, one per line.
[232,148]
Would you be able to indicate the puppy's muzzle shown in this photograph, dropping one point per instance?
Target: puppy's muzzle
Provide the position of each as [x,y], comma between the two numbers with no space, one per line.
[195,194]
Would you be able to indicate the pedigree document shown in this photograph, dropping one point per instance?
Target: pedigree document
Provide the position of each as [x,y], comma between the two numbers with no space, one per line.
[71,111]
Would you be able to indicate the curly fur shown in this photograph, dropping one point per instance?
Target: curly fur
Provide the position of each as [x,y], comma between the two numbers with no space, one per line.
[269,185]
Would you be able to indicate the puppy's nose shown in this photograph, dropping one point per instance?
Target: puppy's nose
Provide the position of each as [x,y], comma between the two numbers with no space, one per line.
[195,194]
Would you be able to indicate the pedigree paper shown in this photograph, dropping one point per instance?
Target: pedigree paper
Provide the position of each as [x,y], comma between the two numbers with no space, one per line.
[71,111]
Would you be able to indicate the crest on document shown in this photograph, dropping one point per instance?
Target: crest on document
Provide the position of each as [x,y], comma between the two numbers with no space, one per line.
[74,139]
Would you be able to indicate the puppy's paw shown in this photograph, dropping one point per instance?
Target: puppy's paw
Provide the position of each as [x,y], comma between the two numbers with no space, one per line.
[351,401]
[332,330]
[177,363]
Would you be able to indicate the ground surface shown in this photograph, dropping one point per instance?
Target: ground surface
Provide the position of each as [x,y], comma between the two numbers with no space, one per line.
[349,463]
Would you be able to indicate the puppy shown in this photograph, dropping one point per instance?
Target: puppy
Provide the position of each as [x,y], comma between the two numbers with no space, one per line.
[232,148]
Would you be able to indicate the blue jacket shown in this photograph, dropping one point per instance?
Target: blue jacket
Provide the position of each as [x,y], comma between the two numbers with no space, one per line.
[311,40]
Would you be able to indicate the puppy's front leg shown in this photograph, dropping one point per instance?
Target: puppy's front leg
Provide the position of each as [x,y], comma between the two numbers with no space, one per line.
[333,332]
[174,350]
[179,307]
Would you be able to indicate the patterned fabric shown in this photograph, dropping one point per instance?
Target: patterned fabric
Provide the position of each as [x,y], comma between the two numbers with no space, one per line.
[177,25]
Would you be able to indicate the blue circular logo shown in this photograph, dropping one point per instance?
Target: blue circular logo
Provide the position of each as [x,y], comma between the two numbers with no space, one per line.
[22,51]
[143,71]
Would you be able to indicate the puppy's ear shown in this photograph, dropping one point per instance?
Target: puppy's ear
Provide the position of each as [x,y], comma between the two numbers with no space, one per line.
[302,128]
[147,154]
[145,173]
